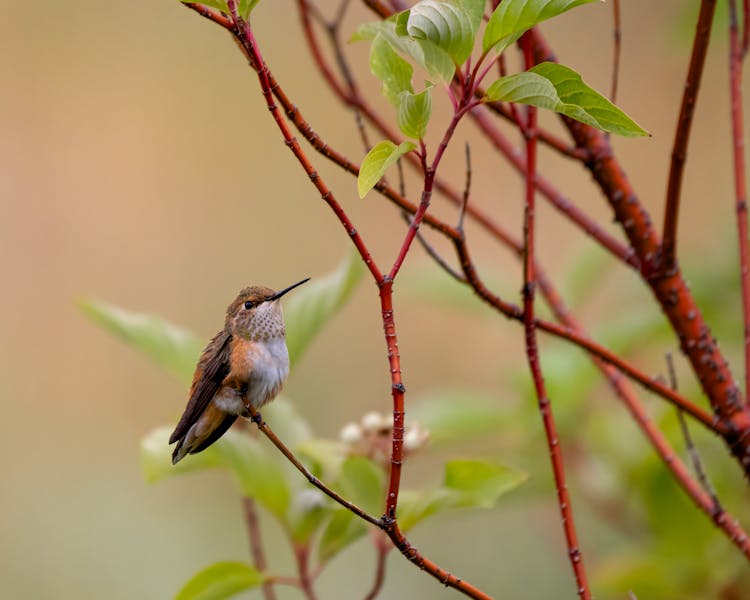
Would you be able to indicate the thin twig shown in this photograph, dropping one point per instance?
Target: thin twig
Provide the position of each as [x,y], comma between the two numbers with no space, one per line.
[532,352]
[616,43]
[434,254]
[381,556]
[740,182]
[695,457]
[682,134]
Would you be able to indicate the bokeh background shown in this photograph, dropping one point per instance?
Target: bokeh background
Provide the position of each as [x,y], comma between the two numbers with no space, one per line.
[138,166]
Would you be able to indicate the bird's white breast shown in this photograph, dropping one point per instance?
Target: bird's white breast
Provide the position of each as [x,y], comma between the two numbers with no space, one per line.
[270,360]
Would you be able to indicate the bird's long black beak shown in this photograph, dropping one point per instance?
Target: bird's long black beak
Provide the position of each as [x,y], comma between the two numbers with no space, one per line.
[279,294]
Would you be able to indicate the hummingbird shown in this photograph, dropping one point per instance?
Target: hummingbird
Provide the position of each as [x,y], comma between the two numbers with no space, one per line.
[247,361]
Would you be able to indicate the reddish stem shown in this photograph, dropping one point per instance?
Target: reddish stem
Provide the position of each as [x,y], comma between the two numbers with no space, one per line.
[302,555]
[670,289]
[246,37]
[382,548]
[532,352]
[256,545]
[682,134]
[740,184]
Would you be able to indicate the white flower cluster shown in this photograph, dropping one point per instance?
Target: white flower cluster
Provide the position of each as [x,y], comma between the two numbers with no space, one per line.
[371,437]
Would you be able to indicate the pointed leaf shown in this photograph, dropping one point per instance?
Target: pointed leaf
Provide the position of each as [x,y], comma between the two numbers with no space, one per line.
[480,483]
[316,303]
[244,7]
[449,24]
[362,482]
[559,88]
[221,580]
[377,162]
[414,112]
[168,345]
[343,529]
[414,507]
[436,61]
[391,69]
[512,18]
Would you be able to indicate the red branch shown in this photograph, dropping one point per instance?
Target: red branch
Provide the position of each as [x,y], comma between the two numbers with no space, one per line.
[670,289]
[740,184]
[682,134]
[532,353]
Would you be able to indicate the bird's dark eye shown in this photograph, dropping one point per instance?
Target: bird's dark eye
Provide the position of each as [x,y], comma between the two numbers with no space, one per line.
[249,305]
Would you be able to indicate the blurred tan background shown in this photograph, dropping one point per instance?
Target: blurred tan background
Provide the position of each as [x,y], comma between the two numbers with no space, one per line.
[138,166]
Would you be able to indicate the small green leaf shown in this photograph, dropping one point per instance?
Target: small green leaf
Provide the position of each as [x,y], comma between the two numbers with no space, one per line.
[343,529]
[448,414]
[168,345]
[449,24]
[220,4]
[414,112]
[362,482]
[512,18]
[414,507]
[317,302]
[244,7]
[437,62]
[221,580]
[555,87]
[391,69]
[377,162]
[480,483]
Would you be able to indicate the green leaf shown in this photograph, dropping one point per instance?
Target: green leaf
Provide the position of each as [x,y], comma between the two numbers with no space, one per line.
[555,87]
[512,18]
[309,509]
[323,457]
[449,414]
[362,482]
[170,346]
[377,161]
[316,303]
[480,483]
[156,457]
[391,69]
[414,507]
[437,62]
[287,423]
[468,484]
[343,529]
[244,7]
[449,24]
[414,112]
[221,580]
[257,475]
